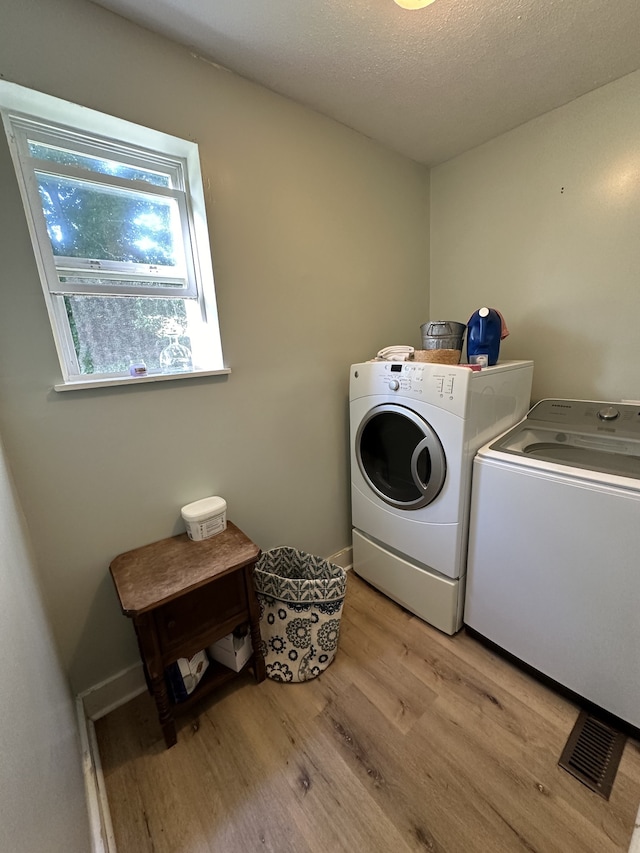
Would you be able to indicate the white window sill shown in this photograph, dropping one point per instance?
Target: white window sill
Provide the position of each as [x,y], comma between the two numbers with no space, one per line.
[136,380]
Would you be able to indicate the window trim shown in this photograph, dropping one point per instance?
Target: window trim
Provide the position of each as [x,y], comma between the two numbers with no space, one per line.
[20,104]
[139,380]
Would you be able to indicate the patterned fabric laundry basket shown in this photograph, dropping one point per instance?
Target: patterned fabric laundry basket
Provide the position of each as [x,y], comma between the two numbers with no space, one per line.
[301,598]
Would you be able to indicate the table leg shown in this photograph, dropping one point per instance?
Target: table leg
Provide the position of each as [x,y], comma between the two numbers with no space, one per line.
[254,625]
[154,673]
[165,716]
[258,659]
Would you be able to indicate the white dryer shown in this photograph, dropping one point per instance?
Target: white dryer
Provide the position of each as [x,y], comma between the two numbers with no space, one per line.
[415,428]
[553,549]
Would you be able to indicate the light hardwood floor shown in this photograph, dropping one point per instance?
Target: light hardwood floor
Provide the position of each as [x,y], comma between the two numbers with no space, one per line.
[410,741]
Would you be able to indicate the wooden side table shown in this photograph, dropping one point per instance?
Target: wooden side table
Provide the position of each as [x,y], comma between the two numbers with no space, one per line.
[183,596]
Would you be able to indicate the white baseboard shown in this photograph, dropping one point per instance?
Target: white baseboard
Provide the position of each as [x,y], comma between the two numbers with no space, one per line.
[343,558]
[91,705]
[113,692]
[100,827]
[635,838]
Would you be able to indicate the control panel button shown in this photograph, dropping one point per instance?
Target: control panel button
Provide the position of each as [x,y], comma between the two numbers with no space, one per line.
[608,414]
[394,384]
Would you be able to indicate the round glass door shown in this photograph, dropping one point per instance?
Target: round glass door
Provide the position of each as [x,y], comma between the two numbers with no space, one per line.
[400,456]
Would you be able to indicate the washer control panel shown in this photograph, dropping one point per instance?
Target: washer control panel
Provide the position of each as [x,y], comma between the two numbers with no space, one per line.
[621,419]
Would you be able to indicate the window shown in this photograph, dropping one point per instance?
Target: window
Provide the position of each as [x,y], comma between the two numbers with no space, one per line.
[117,220]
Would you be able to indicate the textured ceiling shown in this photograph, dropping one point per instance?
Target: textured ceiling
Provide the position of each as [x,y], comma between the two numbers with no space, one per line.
[429,84]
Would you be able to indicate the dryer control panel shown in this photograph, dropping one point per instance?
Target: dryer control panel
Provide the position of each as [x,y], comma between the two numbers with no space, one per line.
[439,385]
[494,397]
[420,379]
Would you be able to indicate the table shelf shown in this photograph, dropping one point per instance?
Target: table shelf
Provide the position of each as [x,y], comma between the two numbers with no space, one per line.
[216,676]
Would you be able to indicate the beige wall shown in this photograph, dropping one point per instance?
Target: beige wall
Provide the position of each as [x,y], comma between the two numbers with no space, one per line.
[320,249]
[42,799]
[543,223]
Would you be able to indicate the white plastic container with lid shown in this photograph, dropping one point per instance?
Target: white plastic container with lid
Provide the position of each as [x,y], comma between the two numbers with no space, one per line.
[205,518]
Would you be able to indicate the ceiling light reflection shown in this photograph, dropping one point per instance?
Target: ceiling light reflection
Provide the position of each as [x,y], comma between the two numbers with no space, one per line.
[413,4]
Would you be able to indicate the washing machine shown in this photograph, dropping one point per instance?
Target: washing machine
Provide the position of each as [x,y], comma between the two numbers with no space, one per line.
[554,541]
[415,428]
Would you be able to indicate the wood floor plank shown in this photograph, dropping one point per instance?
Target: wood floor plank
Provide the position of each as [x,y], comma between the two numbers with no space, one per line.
[511,788]
[530,723]
[429,809]
[252,782]
[410,741]
[332,807]
[443,663]
[398,693]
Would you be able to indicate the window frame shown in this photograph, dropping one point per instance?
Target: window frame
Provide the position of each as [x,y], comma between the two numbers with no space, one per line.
[97,134]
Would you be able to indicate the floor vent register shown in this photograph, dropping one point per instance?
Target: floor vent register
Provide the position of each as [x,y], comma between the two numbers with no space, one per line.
[592,753]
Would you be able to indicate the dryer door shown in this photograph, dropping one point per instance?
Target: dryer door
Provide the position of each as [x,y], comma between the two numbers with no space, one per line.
[400,456]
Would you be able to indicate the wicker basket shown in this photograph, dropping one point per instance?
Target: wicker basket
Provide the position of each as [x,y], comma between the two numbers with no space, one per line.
[437,356]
